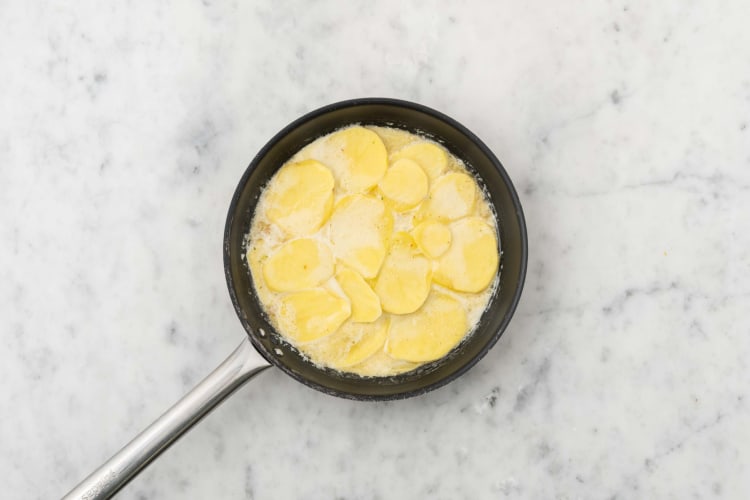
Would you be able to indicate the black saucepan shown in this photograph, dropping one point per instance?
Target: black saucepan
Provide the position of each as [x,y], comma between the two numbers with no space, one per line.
[245,362]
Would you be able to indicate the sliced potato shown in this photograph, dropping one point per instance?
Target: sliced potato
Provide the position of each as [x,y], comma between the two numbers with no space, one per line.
[430,157]
[351,344]
[381,364]
[452,196]
[300,197]
[471,262]
[365,302]
[405,183]
[371,339]
[430,333]
[404,280]
[297,265]
[359,227]
[312,314]
[393,138]
[360,158]
[433,238]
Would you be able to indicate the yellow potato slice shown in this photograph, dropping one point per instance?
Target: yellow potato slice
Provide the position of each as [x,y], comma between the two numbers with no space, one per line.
[350,345]
[297,265]
[360,158]
[300,197]
[471,262]
[371,339]
[404,281]
[430,157]
[312,314]
[430,333]
[359,227]
[451,197]
[393,138]
[365,302]
[382,365]
[405,183]
[433,238]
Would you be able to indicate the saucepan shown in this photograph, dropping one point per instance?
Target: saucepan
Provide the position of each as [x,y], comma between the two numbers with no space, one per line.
[263,347]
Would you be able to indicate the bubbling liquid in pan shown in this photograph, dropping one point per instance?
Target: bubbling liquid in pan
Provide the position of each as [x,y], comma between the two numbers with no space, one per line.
[373,251]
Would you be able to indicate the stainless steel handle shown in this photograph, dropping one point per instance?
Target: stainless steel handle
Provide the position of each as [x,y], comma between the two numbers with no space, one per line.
[116,472]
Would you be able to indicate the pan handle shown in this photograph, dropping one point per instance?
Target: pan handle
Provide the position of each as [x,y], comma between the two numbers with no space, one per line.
[238,368]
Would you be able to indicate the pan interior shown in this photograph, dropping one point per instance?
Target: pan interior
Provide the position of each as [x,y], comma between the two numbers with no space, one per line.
[419,120]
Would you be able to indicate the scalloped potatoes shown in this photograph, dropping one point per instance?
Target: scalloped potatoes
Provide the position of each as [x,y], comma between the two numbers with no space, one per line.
[373,251]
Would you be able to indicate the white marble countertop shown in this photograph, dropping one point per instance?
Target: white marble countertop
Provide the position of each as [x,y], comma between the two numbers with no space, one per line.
[125,126]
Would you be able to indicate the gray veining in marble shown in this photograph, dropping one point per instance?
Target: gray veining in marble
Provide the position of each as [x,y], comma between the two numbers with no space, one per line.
[124,127]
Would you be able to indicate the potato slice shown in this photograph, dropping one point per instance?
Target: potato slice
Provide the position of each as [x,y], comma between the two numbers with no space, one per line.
[311,314]
[405,183]
[433,238]
[351,344]
[365,302]
[430,333]
[404,281]
[393,138]
[382,365]
[297,265]
[360,158]
[430,157]
[359,227]
[471,262]
[371,339]
[451,197]
[300,197]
